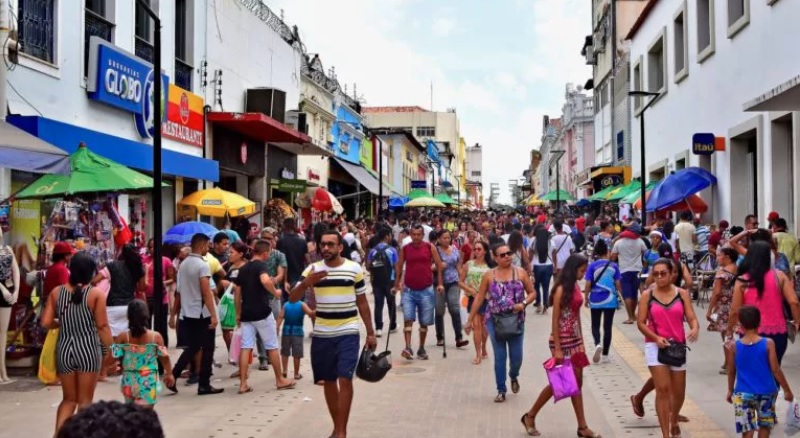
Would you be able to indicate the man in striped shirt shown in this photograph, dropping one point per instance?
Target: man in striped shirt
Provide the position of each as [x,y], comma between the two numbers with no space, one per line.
[339,288]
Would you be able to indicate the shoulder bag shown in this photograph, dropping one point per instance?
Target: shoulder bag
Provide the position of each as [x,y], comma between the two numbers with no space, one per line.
[507,325]
[673,355]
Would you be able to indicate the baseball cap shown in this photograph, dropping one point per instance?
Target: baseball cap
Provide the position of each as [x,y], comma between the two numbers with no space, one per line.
[772,216]
[723,224]
[63,248]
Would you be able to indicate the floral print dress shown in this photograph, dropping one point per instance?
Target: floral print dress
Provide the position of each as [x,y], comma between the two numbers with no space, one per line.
[140,381]
[723,305]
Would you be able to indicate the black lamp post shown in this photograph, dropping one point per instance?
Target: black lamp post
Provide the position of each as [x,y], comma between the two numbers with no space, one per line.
[654,96]
[158,285]
[556,156]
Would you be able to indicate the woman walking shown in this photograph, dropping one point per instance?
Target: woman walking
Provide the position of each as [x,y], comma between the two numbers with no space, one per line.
[566,341]
[472,273]
[238,255]
[127,279]
[540,253]
[451,266]
[719,306]
[761,286]
[508,290]
[662,311]
[79,310]
[602,283]
[519,255]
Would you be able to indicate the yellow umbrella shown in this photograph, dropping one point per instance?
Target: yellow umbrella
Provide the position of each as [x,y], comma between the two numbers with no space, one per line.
[424,201]
[533,201]
[217,203]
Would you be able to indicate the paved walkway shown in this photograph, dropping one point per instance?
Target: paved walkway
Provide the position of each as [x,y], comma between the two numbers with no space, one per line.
[435,398]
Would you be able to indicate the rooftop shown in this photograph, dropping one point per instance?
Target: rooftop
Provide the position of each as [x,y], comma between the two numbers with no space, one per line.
[394,109]
[641,19]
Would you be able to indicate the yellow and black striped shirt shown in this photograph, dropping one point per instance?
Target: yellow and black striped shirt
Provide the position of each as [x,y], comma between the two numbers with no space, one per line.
[337,313]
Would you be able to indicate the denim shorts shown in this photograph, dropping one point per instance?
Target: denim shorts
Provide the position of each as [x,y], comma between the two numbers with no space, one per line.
[334,358]
[419,302]
[630,285]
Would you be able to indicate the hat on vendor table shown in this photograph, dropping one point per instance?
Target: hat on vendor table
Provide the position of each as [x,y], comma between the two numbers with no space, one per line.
[63,248]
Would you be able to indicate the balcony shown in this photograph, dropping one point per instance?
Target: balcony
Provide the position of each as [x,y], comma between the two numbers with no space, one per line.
[95,26]
[183,75]
[144,50]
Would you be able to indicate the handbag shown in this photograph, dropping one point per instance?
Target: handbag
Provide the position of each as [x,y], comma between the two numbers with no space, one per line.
[791,330]
[674,354]
[507,325]
[562,379]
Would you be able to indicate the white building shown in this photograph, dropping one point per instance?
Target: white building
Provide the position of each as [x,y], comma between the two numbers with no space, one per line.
[474,175]
[712,61]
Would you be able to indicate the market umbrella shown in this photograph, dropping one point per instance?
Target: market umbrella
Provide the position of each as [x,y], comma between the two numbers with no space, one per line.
[90,173]
[636,195]
[602,194]
[218,203]
[560,195]
[444,198]
[22,151]
[583,203]
[632,187]
[324,201]
[678,186]
[182,233]
[693,203]
[397,201]
[533,202]
[425,201]
[418,193]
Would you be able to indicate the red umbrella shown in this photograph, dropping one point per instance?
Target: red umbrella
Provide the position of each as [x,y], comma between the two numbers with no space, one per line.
[693,203]
[324,201]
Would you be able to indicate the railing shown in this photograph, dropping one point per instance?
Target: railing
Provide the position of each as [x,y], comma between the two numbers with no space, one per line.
[95,26]
[183,74]
[144,50]
[36,28]
[263,12]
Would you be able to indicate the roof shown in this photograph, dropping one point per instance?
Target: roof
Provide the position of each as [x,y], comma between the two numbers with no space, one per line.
[397,131]
[641,19]
[395,109]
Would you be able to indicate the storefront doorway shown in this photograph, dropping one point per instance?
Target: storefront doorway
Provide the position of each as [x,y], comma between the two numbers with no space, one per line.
[744,175]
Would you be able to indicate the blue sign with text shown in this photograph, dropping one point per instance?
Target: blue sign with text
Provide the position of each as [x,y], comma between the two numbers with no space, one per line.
[120,79]
[419,184]
[703,144]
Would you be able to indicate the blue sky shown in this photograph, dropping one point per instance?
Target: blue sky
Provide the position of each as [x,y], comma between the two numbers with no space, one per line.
[502,64]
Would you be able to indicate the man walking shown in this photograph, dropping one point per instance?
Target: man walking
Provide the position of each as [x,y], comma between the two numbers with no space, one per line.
[255,316]
[418,298]
[340,289]
[198,313]
[294,248]
[380,263]
[686,237]
[628,251]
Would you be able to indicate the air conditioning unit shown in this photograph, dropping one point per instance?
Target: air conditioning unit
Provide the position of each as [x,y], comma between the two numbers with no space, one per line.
[591,57]
[269,101]
[297,120]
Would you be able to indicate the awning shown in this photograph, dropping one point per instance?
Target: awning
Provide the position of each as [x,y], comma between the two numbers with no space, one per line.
[22,151]
[784,97]
[363,177]
[608,171]
[264,128]
[127,152]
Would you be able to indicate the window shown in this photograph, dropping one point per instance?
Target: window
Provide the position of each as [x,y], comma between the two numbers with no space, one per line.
[738,16]
[98,16]
[705,29]
[36,20]
[680,41]
[637,84]
[426,131]
[144,33]
[656,65]
[183,66]
[476,173]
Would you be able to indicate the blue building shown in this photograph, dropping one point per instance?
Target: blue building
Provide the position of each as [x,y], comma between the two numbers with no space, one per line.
[347,130]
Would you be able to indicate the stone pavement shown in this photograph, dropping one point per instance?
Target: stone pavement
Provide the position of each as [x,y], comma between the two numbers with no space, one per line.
[435,398]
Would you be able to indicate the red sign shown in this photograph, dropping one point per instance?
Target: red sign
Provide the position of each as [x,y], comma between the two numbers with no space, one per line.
[313,175]
[184,117]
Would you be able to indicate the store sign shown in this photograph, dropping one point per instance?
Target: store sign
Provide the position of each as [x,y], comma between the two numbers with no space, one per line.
[120,79]
[419,184]
[292,185]
[703,144]
[184,117]
[313,175]
[610,180]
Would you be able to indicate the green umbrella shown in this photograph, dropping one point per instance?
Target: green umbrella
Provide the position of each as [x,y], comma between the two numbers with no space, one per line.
[601,195]
[418,193]
[636,194]
[563,195]
[444,198]
[632,187]
[89,173]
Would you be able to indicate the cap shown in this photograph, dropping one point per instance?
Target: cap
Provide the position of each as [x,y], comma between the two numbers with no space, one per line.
[63,248]
[772,216]
[723,224]
[634,227]
[656,233]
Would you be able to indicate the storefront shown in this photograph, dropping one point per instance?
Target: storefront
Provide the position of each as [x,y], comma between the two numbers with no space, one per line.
[242,165]
[602,177]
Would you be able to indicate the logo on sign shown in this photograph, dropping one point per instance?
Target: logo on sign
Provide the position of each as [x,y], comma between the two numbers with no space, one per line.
[610,180]
[184,108]
[703,144]
[145,121]
[313,175]
[124,83]
[211,202]
[184,117]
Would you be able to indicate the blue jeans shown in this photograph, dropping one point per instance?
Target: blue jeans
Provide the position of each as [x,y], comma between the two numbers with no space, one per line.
[510,350]
[541,276]
[419,302]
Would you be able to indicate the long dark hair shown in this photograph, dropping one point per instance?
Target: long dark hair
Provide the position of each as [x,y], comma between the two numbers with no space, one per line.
[542,237]
[81,271]
[133,261]
[756,264]
[241,248]
[568,278]
[515,242]
[138,318]
[487,254]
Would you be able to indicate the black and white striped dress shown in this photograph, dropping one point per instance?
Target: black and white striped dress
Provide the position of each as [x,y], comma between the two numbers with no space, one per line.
[78,346]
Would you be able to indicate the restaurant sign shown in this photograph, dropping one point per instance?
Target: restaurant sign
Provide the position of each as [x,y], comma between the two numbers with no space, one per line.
[184,117]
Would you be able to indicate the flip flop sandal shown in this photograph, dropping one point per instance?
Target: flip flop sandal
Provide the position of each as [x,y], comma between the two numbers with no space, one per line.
[593,435]
[287,387]
[638,409]
[249,389]
[500,398]
[531,431]
[298,376]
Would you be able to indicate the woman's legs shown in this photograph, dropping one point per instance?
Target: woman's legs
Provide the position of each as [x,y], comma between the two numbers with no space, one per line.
[515,349]
[227,336]
[663,384]
[596,315]
[547,275]
[69,401]
[87,382]
[577,406]
[500,358]
[477,332]
[537,284]
[678,395]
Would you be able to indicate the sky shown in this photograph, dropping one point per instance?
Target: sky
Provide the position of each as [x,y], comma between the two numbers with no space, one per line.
[503,64]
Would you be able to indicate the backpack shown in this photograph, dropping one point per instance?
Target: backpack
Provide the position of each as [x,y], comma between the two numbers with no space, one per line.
[578,239]
[381,267]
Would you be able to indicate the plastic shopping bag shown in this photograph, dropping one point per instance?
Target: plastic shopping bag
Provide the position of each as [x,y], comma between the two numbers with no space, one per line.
[562,379]
[47,360]
[236,346]
[222,307]
[792,425]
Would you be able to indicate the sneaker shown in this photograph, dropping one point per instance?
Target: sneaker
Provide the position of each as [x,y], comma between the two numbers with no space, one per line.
[193,380]
[605,359]
[408,353]
[598,350]
[378,333]
[421,354]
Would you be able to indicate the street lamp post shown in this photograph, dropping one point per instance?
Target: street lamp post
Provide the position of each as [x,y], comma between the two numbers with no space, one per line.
[556,156]
[158,286]
[637,93]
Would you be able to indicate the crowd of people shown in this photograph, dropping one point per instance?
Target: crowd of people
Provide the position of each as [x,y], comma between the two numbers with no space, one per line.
[260,290]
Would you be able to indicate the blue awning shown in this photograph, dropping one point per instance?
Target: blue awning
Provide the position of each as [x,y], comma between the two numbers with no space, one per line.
[128,152]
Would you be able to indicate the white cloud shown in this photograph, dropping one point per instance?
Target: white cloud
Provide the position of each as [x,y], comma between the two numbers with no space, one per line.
[443,26]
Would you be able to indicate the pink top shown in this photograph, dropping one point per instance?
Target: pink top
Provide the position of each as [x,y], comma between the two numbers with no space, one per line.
[104,284]
[770,304]
[166,265]
[666,319]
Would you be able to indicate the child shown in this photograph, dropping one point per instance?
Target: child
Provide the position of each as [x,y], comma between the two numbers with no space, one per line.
[139,348]
[753,363]
[292,317]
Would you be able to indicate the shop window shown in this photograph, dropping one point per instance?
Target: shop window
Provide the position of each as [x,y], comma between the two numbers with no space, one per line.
[37,28]
[680,41]
[657,65]
[706,41]
[183,44]
[143,27]
[738,16]
[426,131]
[99,16]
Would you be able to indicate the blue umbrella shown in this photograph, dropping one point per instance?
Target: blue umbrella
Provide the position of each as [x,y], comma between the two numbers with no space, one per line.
[678,186]
[583,203]
[397,201]
[182,233]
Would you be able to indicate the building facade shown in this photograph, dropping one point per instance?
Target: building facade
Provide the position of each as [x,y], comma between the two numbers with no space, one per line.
[576,138]
[473,181]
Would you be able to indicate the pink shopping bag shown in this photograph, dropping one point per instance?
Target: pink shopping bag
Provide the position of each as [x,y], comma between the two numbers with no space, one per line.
[562,379]
[236,346]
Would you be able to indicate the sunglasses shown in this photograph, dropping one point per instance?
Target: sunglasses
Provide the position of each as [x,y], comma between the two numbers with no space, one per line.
[659,274]
[504,254]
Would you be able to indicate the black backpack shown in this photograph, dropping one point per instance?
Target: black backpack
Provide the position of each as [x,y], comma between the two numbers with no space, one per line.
[381,267]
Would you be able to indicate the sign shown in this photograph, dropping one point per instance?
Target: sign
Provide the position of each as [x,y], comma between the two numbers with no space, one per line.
[313,175]
[185,118]
[419,184]
[120,79]
[703,144]
[719,144]
[292,185]
[610,180]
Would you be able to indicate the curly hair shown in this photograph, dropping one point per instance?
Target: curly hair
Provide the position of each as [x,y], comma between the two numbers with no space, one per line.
[112,419]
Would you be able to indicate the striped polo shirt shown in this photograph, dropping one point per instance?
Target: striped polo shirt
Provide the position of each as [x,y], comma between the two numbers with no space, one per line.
[337,313]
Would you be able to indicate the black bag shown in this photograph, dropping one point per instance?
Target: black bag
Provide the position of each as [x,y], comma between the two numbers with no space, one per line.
[507,325]
[380,270]
[675,354]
